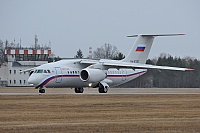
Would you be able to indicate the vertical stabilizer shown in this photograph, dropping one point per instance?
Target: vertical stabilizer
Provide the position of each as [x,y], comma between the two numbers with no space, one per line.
[141,48]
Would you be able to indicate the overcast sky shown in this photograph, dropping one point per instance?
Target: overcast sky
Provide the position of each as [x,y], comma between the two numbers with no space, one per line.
[74,24]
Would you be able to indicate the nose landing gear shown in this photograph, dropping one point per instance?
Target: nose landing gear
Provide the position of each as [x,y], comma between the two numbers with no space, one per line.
[79,90]
[41,90]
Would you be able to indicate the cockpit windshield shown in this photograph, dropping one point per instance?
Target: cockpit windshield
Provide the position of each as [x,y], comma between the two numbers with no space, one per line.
[42,71]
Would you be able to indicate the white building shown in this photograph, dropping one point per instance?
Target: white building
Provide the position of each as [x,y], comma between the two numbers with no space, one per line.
[21,59]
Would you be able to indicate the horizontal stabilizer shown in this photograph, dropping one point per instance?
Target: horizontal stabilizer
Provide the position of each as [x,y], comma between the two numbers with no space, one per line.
[155,35]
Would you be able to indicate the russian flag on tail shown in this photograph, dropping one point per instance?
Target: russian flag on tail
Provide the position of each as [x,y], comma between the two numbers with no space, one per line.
[140,49]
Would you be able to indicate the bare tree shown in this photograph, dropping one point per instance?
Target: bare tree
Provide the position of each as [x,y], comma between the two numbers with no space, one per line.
[2,55]
[119,56]
[107,51]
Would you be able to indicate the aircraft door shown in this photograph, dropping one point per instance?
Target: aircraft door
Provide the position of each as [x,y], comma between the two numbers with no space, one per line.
[123,74]
[58,74]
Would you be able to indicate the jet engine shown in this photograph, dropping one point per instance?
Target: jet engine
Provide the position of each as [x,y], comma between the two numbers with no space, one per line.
[92,75]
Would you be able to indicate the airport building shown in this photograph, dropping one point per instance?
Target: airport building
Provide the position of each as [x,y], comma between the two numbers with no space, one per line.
[19,59]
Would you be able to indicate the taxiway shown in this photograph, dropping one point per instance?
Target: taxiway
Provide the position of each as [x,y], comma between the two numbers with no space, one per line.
[54,91]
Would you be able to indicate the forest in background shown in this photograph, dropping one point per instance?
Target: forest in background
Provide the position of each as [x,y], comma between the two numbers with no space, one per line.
[155,78]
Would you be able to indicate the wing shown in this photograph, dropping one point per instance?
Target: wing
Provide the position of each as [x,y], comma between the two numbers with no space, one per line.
[146,66]
[89,61]
[28,70]
[120,64]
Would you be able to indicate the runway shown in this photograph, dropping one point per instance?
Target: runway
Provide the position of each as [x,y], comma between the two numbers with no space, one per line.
[94,91]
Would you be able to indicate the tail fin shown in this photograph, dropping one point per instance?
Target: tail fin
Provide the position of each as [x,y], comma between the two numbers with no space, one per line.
[141,48]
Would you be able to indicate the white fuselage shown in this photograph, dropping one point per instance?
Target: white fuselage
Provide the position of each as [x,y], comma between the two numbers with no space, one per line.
[66,73]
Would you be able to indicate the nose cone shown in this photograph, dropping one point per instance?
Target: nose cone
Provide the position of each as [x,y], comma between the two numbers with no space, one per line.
[32,80]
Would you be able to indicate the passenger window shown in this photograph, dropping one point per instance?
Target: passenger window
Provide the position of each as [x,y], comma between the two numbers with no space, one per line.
[45,71]
[35,71]
[48,71]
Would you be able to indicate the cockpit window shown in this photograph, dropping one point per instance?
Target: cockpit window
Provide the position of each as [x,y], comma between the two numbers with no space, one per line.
[40,71]
[48,71]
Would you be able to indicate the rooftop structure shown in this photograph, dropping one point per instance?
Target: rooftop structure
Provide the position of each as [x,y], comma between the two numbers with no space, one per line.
[21,58]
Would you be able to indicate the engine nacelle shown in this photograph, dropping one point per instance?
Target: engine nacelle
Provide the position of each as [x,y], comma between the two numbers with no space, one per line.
[92,75]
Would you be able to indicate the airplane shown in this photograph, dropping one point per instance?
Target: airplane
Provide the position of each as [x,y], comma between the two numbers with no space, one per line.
[102,73]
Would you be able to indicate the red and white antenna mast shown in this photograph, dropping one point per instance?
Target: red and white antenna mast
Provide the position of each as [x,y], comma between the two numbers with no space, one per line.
[90,52]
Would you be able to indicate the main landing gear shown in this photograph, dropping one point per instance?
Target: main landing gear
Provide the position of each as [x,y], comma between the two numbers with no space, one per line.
[103,88]
[79,90]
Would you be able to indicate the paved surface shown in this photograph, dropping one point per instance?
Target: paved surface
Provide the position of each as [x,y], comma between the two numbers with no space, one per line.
[32,91]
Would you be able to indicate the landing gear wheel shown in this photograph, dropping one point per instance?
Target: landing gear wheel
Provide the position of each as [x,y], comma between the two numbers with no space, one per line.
[103,89]
[41,90]
[79,90]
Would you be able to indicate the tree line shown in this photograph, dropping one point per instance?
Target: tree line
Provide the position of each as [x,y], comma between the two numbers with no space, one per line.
[107,51]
